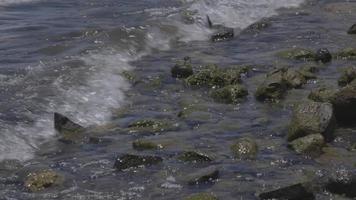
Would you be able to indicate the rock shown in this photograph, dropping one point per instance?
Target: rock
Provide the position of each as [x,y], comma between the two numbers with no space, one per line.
[274,86]
[213,77]
[151,126]
[310,144]
[293,192]
[323,55]
[132,161]
[201,196]
[203,176]
[294,78]
[344,183]
[347,76]
[245,148]
[229,94]
[131,77]
[223,34]
[191,156]
[257,27]
[297,54]
[322,94]
[312,118]
[70,131]
[41,180]
[352,29]
[182,69]
[347,54]
[145,145]
[344,102]
[308,71]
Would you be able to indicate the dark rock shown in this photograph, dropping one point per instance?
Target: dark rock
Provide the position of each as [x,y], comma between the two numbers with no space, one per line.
[312,118]
[297,54]
[310,144]
[274,86]
[322,94]
[145,145]
[229,94]
[70,131]
[293,192]
[347,76]
[245,148]
[352,29]
[203,176]
[344,103]
[182,69]
[131,161]
[41,180]
[344,183]
[201,196]
[323,55]
[223,34]
[192,156]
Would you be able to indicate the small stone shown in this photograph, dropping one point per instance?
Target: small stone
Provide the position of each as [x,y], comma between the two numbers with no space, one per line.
[201,196]
[41,180]
[203,176]
[352,29]
[182,69]
[323,55]
[293,192]
[229,94]
[310,144]
[245,148]
[132,161]
[192,156]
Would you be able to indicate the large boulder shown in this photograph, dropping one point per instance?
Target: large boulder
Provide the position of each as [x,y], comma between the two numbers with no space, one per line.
[352,29]
[293,192]
[229,94]
[70,131]
[347,76]
[344,102]
[128,161]
[244,148]
[182,69]
[312,118]
[37,181]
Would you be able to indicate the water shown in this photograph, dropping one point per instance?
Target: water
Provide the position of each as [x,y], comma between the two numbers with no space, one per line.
[68,57]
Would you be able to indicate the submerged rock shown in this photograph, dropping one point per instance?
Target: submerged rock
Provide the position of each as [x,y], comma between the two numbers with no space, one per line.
[182,69]
[257,27]
[274,86]
[201,196]
[229,94]
[312,118]
[132,161]
[245,148]
[70,131]
[41,180]
[293,192]
[192,156]
[344,102]
[347,54]
[322,94]
[310,144]
[297,54]
[347,76]
[352,29]
[151,126]
[323,55]
[141,145]
[203,176]
[344,183]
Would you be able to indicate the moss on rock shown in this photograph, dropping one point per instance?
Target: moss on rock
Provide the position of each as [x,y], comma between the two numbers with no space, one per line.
[322,94]
[310,144]
[151,126]
[41,180]
[347,54]
[229,94]
[347,76]
[192,156]
[244,148]
[297,54]
[273,87]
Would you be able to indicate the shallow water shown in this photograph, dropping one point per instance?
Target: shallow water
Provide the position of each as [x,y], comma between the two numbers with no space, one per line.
[68,57]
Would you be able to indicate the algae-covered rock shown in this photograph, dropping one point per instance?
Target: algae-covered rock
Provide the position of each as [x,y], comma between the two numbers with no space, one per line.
[347,54]
[229,94]
[308,71]
[192,156]
[344,102]
[310,144]
[347,76]
[203,176]
[273,87]
[352,29]
[131,161]
[41,180]
[312,118]
[257,26]
[182,69]
[151,126]
[294,78]
[293,192]
[213,77]
[323,55]
[322,94]
[145,145]
[70,132]
[244,148]
[201,196]
[297,54]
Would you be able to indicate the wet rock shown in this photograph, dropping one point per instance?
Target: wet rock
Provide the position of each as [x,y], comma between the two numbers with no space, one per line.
[213,77]
[132,161]
[151,126]
[244,148]
[222,34]
[229,94]
[141,145]
[293,192]
[312,118]
[344,102]
[201,196]
[41,180]
[298,54]
[192,156]
[308,71]
[322,94]
[310,144]
[323,55]
[347,54]
[294,78]
[203,176]
[69,130]
[274,86]
[347,76]
[343,183]
[352,29]
[257,27]
[182,69]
